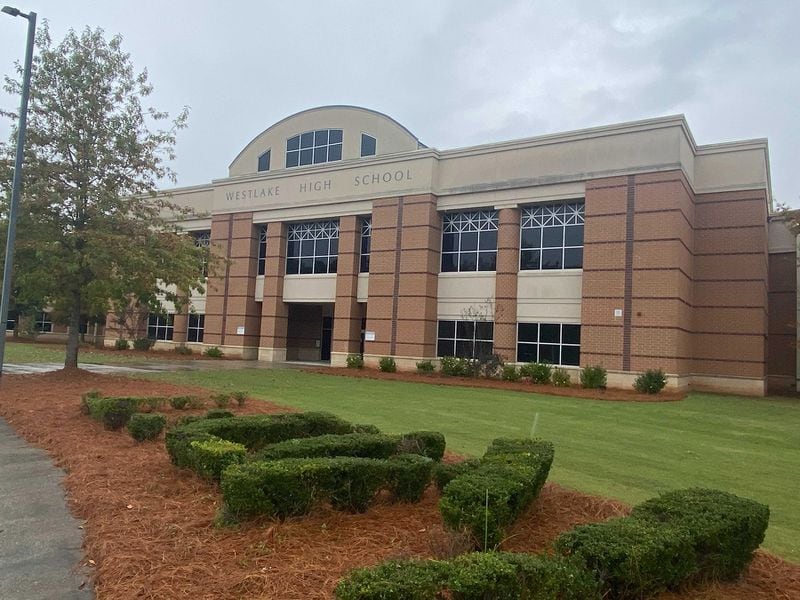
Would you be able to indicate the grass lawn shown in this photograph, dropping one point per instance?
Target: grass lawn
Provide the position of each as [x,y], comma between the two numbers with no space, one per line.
[43,352]
[627,451]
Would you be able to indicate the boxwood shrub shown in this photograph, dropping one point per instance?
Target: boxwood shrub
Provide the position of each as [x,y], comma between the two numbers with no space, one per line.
[210,457]
[113,412]
[290,487]
[486,498]
[594,377]
[725,529]
[474,576]
[146,426]
[364,445]
[651,381]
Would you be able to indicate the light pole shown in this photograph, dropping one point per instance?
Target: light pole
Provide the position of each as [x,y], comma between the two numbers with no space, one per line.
[14,206]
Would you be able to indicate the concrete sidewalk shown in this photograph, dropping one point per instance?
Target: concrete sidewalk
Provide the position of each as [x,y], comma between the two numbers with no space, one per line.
[40,542]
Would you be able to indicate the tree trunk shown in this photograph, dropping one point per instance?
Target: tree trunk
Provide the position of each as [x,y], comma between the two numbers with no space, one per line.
[73,334]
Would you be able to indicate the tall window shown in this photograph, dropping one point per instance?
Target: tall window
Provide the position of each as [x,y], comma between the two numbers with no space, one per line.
[262,249]
[551,237]
[556,343]
[43,323]
[465,339]
[368,145]
[263,161]
[160,327]
[312,247]
[12,320]
[366,243]
[469,241]
[314,147]
[194,332]
[202,239]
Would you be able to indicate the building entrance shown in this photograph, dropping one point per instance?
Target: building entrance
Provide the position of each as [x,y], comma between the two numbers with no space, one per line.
[309,332]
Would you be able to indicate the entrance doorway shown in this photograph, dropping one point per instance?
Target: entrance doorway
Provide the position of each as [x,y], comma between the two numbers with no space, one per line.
[327,338]
[309,332]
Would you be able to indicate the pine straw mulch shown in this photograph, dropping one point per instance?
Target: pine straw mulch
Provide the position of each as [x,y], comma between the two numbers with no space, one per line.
[572,391]
[148,526]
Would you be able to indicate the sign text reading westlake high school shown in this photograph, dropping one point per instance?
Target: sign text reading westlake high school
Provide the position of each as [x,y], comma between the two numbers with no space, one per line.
[320,185]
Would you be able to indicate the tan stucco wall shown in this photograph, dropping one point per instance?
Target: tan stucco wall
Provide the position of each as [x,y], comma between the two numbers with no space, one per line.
[309,288]
[549,296]
[460,293]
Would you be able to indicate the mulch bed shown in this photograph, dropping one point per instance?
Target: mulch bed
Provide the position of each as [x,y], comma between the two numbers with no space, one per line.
[573,391]
[149,532]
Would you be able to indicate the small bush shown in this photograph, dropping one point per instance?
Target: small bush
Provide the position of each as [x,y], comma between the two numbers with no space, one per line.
[152,403]
[86,398]
[221,400]
[113,412]
[560,377]
[218,413]
[408,476]
[146,426]
[211,457]
[471,576]
[214,352]
[239,397]
[631,558]
[196,402]
[594,377]
[540,372]
[425,443]
[651,381]
[455,367]
[121,344]
[179,402]
[526,370]
[510,373]
[143,344]
[426,366]
[387,364]
[444,473]
[183,350]
[363,445]
[354,361]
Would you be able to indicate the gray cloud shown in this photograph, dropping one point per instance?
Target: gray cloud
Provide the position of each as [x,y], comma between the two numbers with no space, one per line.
[457,72]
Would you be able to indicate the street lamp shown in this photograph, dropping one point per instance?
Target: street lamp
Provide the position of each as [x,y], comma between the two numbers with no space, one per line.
[14,206]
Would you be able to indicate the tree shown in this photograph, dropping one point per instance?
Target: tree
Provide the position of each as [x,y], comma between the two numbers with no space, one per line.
[93,234]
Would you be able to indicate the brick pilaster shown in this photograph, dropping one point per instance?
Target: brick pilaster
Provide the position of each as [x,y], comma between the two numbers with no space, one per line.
[274,311]
[347,312]
[505,317]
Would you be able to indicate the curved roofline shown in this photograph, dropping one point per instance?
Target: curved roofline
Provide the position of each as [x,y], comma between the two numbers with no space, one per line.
[326,106]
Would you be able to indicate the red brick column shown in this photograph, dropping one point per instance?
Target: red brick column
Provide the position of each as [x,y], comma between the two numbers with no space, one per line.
[180,323]
[274,311]
[241,309]
[347,312]
[221,231]
[505,310]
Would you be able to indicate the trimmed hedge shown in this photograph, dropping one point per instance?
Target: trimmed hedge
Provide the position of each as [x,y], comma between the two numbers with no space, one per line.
[363,445]
[474,576]
[726,529]
[114,412]
[146,426]
[486,498]
[681,537]
[210,457]
[290,487]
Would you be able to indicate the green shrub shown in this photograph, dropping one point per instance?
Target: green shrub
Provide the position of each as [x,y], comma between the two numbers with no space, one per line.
[594,377]
[196,402]
[121,344]
[387,364]
[651,381]
[219,413]
[214,352]
[146,426]
[354,361]
[364,445]
[489,365]
[486,499]
[113,412]
[426,443]
[472,576]
[365,428]
[426,366]
[560,377]
[444,473]
[221,400]
[725,529]
[183,350]
[179,402]
[408,476]
[86,398]
[211,457]
[540,372]
[526,370]
[143,344]
[511,373]
[631,558]
[153,403]
[239,397]
[455,367]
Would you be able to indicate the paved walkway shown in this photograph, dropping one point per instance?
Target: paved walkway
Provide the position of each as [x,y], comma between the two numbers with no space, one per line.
[40,542]
[157,366]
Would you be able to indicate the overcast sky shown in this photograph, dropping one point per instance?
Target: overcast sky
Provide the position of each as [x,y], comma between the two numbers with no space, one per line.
[456,72]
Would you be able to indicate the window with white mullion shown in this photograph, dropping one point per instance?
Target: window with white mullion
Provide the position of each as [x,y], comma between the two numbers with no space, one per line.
[262,249]
[366,244]
[551,236]
[465,339]
[469,241]
[195,328]
[312,247]
[314,147]
[160,327]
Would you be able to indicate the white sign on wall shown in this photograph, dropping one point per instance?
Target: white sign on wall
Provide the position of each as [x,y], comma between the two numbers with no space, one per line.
[240,330]
[369,336]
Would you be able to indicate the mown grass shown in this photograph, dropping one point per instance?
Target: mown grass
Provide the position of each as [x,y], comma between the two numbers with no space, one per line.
[627,451]
[41,352]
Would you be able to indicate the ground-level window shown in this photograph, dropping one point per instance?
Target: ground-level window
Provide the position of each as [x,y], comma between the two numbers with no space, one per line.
[465,339]
[469,241]
[195,328]
[555,343]
[312,247]
[262,249]
[551,237]
[43,323]
[366,243]
[160,327]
